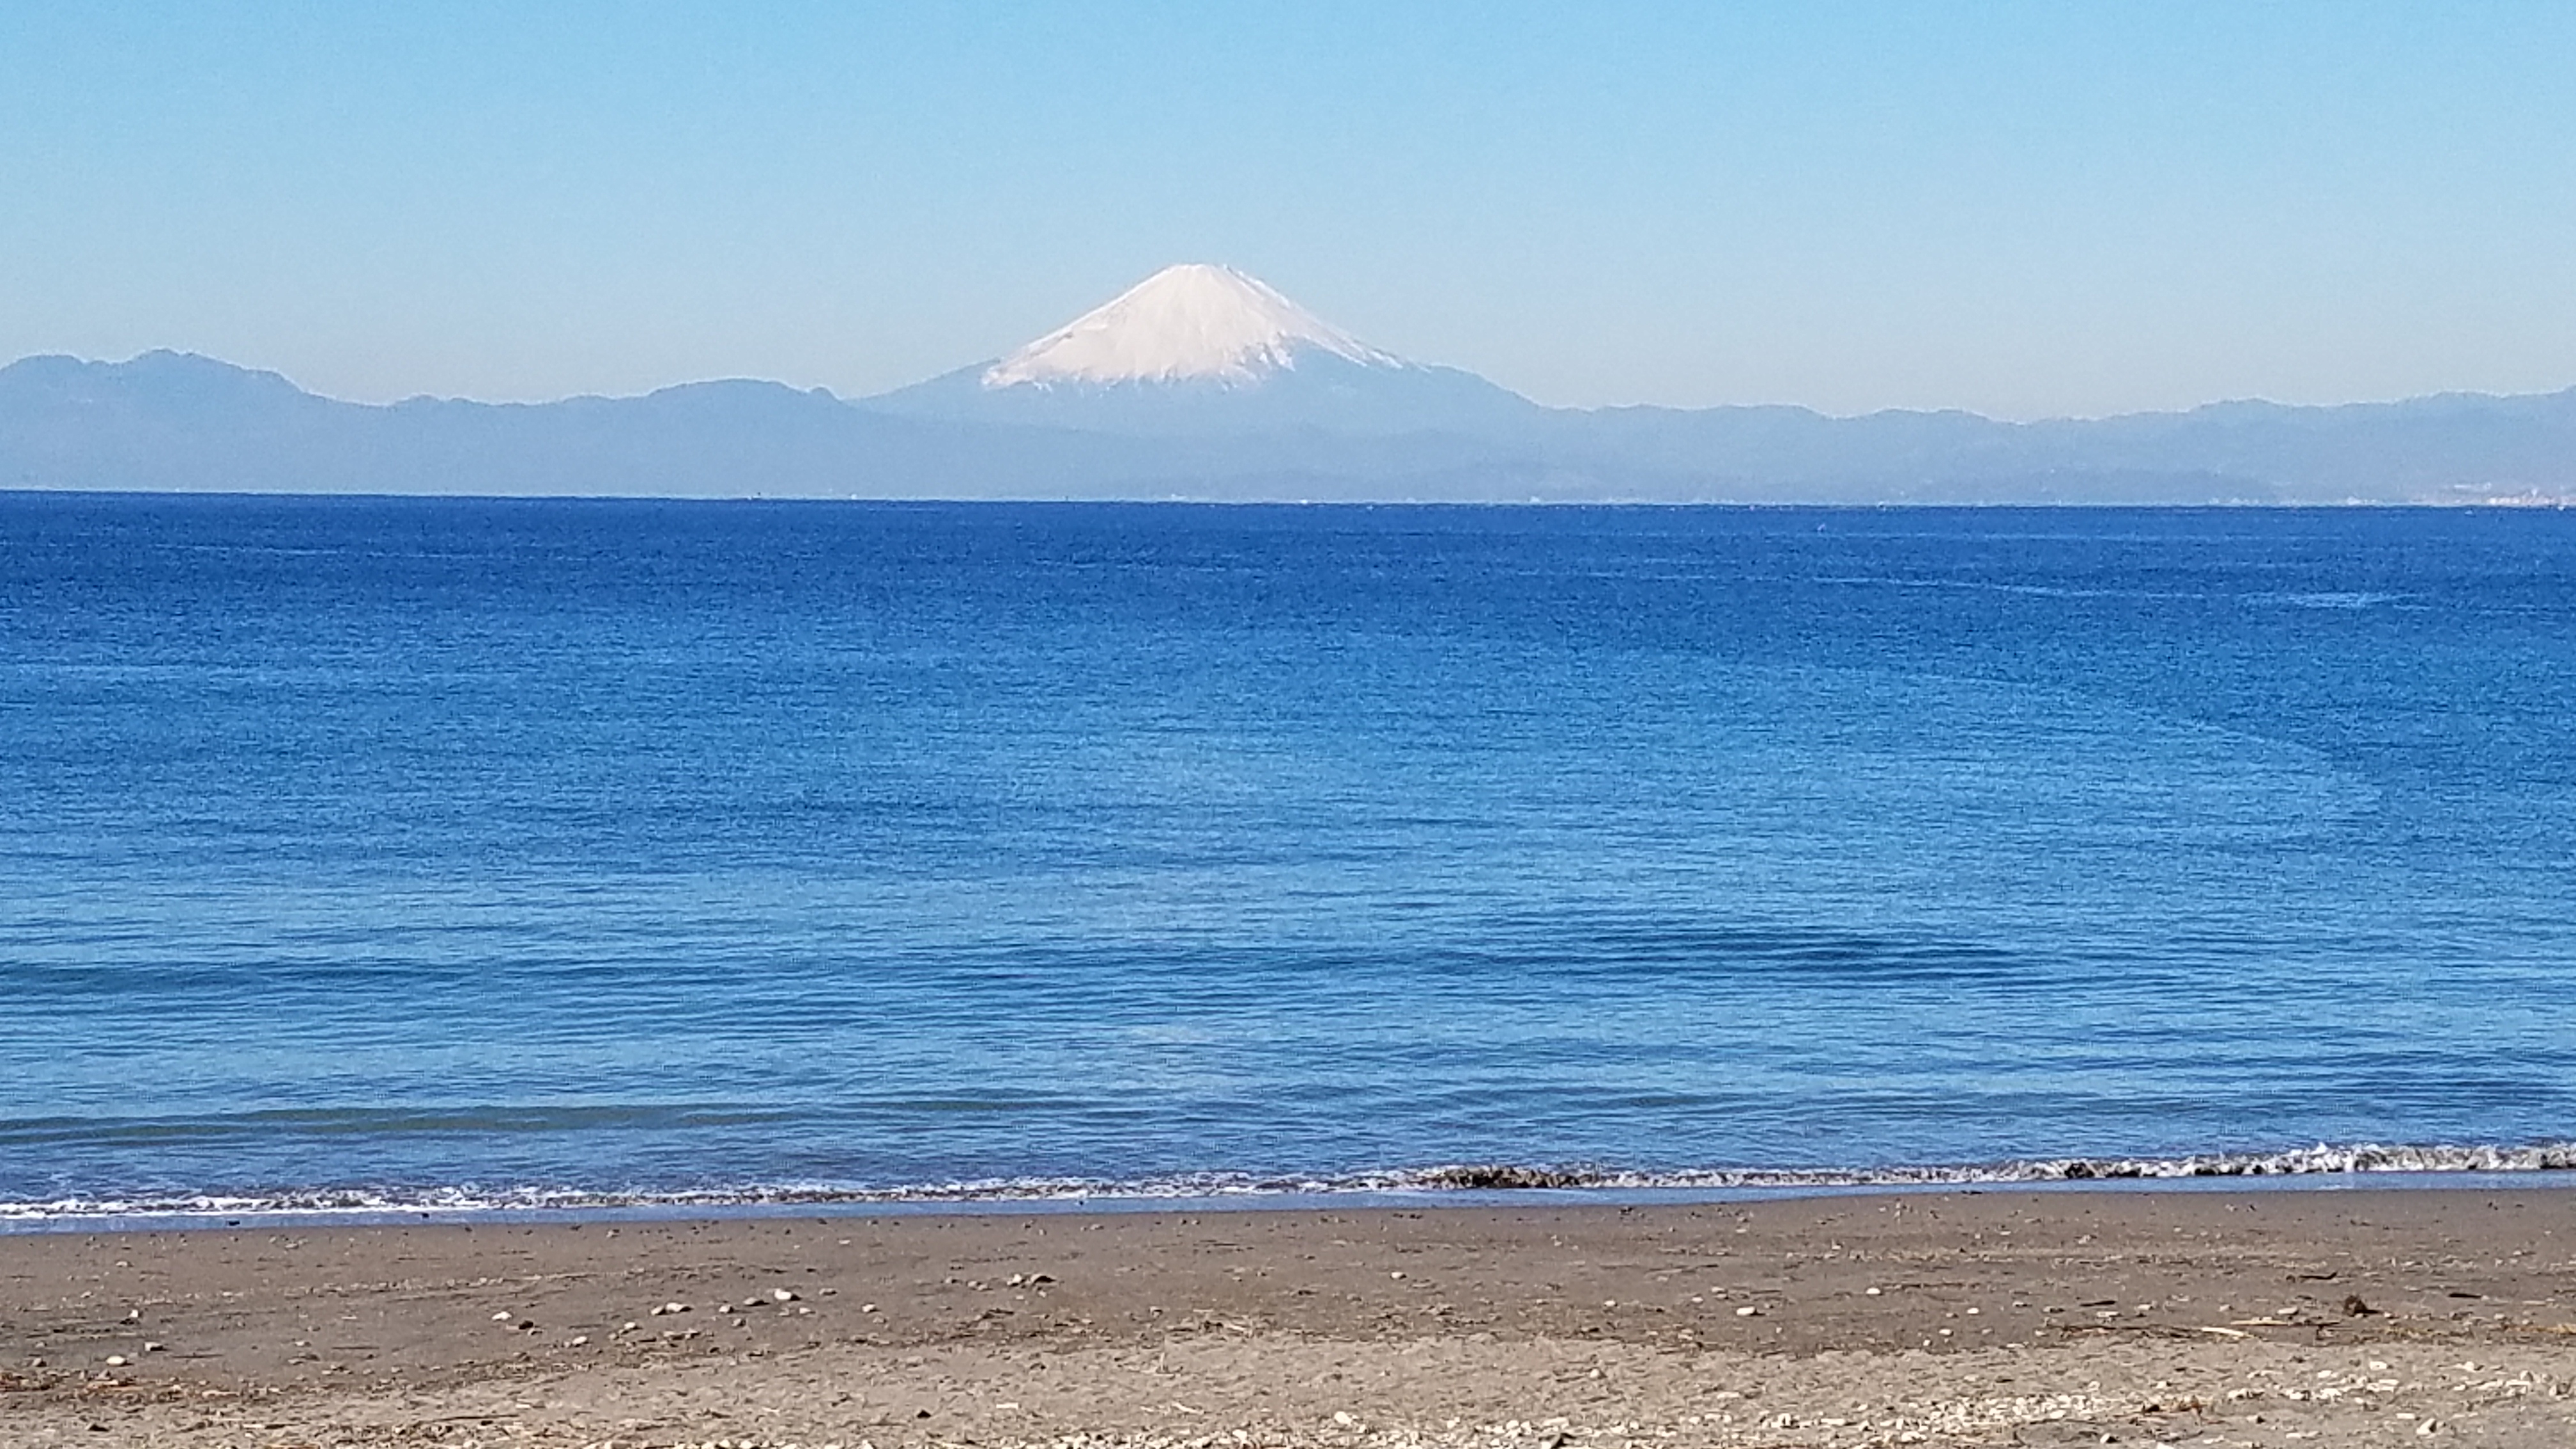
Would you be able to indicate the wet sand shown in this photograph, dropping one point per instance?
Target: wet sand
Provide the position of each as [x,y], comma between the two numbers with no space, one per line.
[2275,1318]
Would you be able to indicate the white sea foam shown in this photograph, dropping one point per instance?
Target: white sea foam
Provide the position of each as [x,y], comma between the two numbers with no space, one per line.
[2327,600]
[2359,1159]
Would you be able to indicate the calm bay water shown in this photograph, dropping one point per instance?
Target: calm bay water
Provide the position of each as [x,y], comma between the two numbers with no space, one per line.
[406,846]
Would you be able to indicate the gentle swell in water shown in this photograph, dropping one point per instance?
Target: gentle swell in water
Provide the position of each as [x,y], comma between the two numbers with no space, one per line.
[2316,1161]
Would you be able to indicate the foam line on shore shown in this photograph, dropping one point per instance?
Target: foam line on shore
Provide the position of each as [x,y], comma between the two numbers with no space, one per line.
[1452,1178]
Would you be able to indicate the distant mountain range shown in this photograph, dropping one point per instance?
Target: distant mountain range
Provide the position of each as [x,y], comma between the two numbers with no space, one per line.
[1203,383]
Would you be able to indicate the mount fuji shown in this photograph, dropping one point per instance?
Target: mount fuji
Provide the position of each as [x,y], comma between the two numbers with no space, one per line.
[1198,349]
[1203,383]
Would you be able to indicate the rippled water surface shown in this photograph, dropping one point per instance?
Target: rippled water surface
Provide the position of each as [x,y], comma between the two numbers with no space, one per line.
[408,845]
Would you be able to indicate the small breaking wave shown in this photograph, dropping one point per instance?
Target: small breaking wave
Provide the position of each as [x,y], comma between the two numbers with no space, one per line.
[1460,1179]
[2300,1162]
[2328,599]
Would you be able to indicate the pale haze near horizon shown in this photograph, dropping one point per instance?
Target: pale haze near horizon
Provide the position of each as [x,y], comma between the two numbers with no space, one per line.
[2021,210]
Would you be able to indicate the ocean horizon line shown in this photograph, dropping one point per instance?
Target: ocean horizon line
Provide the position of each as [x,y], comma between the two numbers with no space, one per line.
[2481,504]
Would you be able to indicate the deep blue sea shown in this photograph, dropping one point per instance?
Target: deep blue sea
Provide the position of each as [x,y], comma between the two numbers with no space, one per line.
[409,851]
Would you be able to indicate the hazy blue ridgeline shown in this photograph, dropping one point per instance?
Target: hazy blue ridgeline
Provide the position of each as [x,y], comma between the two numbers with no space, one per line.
[368,842]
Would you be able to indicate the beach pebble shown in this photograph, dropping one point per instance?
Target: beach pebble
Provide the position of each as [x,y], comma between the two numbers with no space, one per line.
[500,1318]
[580,1339]
[1871,1292]
[781,1295]
[116,1360]
[151,1348]
[1015,1280]
[1748,1311]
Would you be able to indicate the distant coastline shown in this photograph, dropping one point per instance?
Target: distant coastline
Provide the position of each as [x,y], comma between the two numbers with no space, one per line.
[170,422]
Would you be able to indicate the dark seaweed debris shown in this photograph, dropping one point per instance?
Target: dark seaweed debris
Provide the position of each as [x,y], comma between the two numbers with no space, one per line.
[1504,1175]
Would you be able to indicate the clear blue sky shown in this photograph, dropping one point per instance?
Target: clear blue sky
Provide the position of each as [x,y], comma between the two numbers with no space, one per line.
[2023,209]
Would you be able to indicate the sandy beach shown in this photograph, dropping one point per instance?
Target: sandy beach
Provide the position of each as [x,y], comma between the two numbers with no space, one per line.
[2330,1317]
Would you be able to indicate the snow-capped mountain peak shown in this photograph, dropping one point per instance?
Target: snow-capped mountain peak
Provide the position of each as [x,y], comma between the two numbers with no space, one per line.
[1189,323]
